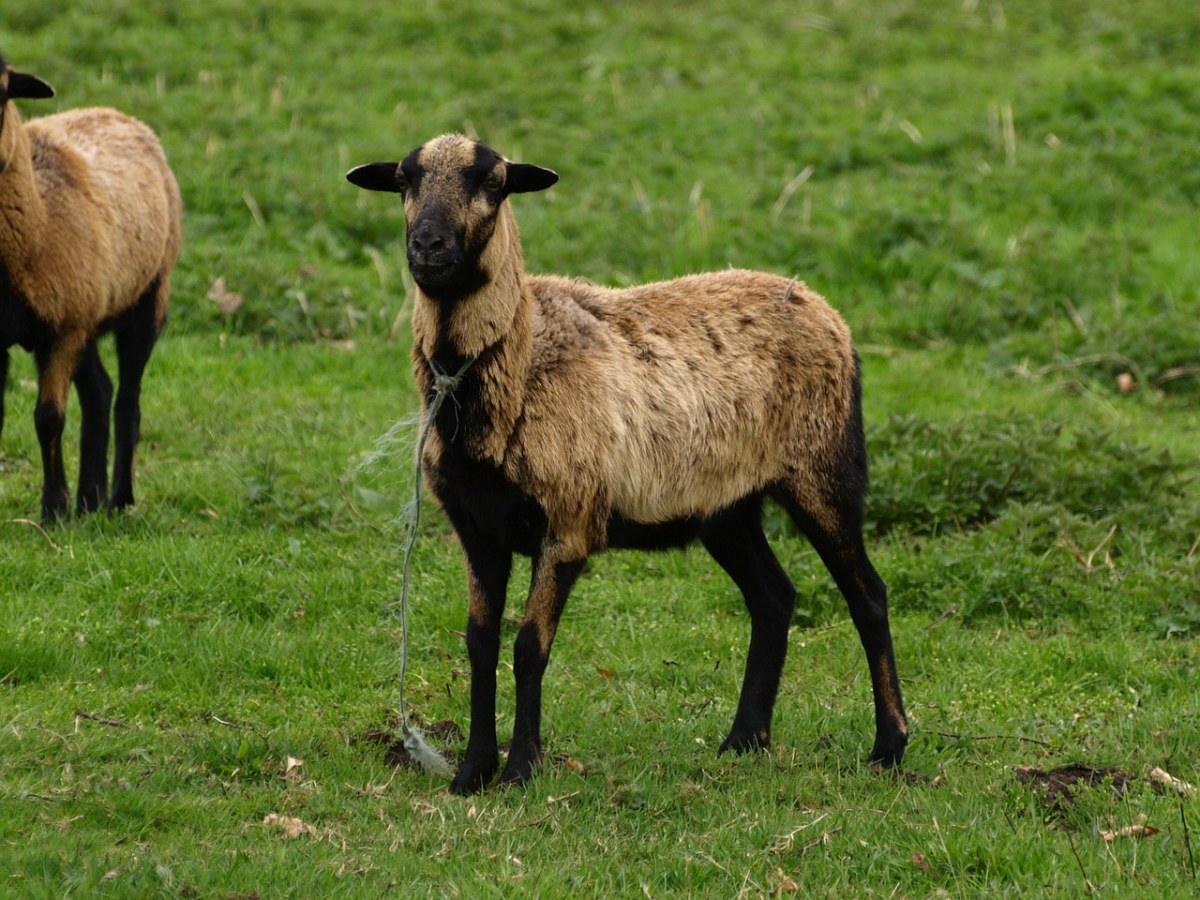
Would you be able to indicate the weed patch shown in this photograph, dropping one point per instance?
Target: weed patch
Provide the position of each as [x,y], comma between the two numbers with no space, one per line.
[930,478]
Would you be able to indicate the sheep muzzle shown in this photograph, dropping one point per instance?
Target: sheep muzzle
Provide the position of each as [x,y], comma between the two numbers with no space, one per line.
[434,252]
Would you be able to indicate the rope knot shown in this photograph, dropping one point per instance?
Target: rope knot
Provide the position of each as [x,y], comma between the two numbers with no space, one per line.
[444,383]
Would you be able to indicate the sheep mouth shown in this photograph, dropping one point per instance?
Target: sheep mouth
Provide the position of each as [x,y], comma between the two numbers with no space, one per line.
[432,272]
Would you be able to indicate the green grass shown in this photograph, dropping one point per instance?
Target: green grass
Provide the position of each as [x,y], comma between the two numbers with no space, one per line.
[1002,203]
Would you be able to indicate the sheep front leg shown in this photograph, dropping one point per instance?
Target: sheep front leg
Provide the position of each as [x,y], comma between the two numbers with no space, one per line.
[49,418]
[56,368]
[487,579]
[553,577]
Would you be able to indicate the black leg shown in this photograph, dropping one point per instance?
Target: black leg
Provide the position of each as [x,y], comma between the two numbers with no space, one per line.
[836,534]
[49,419]
[94,388]
[738,544]
[56,367]
[866,596]
[552,580]
[136,334]
[3,385]
[487,574]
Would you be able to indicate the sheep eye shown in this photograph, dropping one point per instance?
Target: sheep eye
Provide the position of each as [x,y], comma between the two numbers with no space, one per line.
[493,182]
[401,182]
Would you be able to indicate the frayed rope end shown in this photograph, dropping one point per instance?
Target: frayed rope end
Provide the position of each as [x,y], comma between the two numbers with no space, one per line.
[427,757]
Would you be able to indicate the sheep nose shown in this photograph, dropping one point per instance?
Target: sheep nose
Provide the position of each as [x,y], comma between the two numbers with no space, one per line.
[427,241]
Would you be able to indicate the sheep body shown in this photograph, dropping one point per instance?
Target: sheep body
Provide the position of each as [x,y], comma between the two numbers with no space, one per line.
[648,417]
[108,192]
[686,395]
[90,228]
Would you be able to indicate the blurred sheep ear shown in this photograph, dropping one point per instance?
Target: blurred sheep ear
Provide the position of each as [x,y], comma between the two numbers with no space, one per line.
[28,86]
[522,178]
[378,176]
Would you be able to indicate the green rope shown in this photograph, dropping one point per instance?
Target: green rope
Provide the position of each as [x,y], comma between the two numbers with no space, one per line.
[443,386]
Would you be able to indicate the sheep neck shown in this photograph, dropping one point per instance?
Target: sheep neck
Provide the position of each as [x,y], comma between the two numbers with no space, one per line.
[495,325]
[22,212]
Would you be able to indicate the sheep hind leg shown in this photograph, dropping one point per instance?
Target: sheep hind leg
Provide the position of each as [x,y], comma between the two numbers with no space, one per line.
[738,544]
[95,391]
[835,531]
[136,333]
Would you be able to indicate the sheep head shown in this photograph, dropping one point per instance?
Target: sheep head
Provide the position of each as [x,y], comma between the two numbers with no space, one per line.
[454,189]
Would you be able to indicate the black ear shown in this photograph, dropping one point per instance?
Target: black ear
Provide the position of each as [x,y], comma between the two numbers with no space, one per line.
[378,176]
[28,86]
[522,178]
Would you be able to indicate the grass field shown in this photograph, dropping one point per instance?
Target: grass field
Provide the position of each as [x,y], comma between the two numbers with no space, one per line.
[197,699]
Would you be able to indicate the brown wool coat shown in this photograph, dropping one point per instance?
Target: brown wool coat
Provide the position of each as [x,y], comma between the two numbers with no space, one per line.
[656,402]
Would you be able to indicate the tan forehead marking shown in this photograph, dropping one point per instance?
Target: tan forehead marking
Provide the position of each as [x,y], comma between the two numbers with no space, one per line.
[454,149]
[443,160]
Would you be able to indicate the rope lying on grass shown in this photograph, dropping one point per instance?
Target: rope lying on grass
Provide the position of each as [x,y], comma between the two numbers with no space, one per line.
[430,759]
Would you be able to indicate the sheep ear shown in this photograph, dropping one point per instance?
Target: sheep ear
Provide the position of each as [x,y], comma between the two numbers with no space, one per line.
[378,176]
[522,178]
[28,86]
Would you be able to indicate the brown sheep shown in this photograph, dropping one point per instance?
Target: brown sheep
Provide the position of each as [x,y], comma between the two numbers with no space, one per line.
[89,231]
[589,418]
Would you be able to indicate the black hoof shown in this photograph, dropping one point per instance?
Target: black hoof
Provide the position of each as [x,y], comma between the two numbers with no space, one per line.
[472,779]
[741,742]
[889,753]
[518,772]
[55,509]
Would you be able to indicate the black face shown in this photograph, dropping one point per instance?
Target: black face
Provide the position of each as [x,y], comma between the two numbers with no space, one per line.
[453,189]
[452,195]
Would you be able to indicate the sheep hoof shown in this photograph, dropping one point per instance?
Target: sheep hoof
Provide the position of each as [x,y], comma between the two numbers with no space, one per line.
[471,779]
[888,753]
[745,741]
[55,509]
[518,770]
